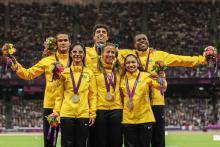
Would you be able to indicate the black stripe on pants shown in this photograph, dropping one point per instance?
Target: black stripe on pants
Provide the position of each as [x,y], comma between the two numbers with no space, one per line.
[74,131]
[137,135]
[46,126]
[158,134]
[107,129]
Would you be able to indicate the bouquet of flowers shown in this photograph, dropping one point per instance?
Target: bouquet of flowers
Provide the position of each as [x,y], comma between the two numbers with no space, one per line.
[51,43]
[7,58]
[210,54]
[50,46]
[159,67]
[57,69]
[8,49]
[53,120]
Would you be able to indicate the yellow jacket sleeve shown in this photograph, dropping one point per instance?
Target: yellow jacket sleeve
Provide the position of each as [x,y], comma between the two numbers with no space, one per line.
[59,96]
[92,97]
[31,73]
[178,60]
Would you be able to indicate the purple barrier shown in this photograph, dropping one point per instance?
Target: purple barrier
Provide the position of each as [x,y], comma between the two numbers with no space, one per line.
[210,126]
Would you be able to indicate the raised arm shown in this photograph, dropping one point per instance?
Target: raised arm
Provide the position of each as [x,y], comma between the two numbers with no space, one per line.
[32,72]
[178,60]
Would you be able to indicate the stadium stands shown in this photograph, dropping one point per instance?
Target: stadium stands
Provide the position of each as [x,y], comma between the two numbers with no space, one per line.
[199,113]
[182,28]
[27,113]
[2,114]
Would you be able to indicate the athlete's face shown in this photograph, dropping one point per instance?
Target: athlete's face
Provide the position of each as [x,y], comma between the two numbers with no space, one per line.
[141,42]
[63,43]
[131,64]
[100,36]
[77,55]
[108,54]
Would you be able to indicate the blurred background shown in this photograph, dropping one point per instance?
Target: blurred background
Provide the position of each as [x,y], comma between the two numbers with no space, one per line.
[183,27]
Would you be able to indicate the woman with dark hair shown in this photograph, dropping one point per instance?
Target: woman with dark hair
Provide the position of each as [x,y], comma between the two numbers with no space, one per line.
[76,101]
[107,131]
[138,116]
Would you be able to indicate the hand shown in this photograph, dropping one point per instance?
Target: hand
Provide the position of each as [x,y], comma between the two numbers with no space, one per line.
[9,60]
[46,52]
[162,74]
[91,121]
[153,75]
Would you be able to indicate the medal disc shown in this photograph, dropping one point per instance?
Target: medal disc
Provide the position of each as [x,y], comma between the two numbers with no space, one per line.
[130,105]
[75,98]
[109,96]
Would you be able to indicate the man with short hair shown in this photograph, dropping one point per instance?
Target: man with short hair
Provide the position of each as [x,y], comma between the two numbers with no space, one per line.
[147,57]
[44,66]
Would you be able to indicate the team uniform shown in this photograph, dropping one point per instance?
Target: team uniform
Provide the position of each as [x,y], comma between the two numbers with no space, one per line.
[107,131]
[147,59]
[44,66]
[138,121]
[74,115]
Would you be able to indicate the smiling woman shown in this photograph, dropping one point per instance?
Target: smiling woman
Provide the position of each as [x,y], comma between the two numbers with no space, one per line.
[76,99]
[77,54]
[138,116]
[107,130]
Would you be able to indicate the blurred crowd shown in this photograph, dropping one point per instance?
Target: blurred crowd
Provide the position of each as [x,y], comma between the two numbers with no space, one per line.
[184,28]
[189,113]
[27,113]
[180,112]
[2,114]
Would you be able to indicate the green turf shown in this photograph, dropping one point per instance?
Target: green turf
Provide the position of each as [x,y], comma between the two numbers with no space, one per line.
[23,141]
[191,139]
[173,139]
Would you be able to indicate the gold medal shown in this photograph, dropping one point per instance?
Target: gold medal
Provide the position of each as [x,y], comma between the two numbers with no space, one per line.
[130,105]
[109,96]
[75,98]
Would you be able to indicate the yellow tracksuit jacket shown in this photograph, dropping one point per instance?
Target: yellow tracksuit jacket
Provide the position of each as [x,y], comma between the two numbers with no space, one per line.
[141,98]
[102,103]
[44,66]
[169,59]
[92,57]
[86,107]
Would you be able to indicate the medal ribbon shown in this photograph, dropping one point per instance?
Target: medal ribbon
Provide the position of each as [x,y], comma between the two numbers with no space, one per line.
[54,135]
[131,93]
[147,61]
[76,87]
[57,59]
[112,80]
[162,86]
